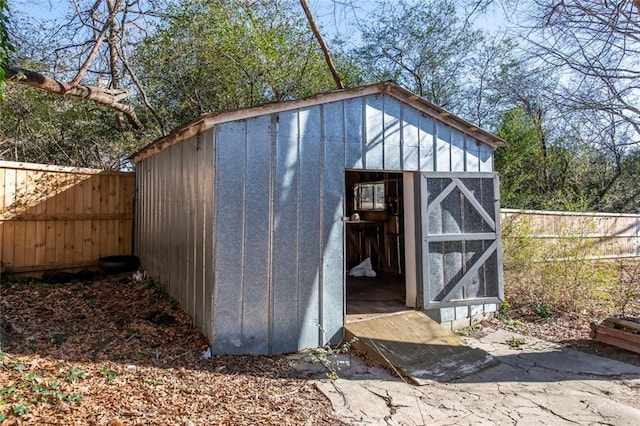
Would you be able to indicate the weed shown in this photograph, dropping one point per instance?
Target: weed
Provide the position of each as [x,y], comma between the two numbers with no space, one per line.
[74,397]
[503,311]
[33,388]
[324,355]
[543,310]
[466,332]
[515,342]
[512,324]
[74,374]
[109,374]
[20,409]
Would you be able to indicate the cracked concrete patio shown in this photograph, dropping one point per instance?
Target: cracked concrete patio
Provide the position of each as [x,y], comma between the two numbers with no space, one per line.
[535,383]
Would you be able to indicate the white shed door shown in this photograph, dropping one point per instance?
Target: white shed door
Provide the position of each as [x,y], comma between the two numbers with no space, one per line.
[460,230]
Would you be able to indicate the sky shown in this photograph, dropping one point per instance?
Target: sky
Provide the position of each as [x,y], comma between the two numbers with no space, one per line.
[333,16]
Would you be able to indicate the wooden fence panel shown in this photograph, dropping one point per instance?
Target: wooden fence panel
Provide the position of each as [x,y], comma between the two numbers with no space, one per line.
[601,235]
[62,217]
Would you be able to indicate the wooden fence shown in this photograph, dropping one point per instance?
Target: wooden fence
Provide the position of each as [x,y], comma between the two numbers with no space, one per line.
[55,217]
[596,235]
[62,217]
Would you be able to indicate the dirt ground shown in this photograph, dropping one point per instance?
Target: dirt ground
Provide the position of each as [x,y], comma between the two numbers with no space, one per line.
[117,353]
[114,352]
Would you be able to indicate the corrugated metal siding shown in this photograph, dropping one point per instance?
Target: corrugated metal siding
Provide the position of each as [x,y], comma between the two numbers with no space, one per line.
[174,232]
[271,210]
[382,133]
[281,205]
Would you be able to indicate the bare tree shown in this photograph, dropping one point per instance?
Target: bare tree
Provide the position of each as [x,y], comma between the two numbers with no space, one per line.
[91,62]
[595,48]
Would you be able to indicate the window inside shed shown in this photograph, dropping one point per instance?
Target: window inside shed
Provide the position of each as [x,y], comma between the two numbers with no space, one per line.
[369,196]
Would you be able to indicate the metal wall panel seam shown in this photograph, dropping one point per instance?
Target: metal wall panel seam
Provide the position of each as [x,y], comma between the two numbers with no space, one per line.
[214,194]
[364,138]
[158,216]
[320,243]
[385,100]
[148,217]
[154,216]
[311,146]
[177,166]
[185,234]
[194,188]
[298,225]
[152,246]
[465,152]
[434,139]
[244,230]
[323,143]
[450,146]
[343,274]
[272,226]
[401,130]
[198,236]
[214,240]
[171,183]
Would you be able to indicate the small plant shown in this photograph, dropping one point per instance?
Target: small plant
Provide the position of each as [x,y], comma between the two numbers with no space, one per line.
[466,332]
[543,310]
[31,387]
[515,342]
[324,354]
[20,409]
[512,324]
[109,374]
[74,374]
[74,397]
[503,311]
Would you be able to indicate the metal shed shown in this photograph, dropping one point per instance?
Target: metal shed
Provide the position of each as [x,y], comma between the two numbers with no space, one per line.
[245,216]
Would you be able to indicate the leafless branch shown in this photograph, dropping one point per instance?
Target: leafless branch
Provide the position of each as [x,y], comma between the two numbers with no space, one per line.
[106,97]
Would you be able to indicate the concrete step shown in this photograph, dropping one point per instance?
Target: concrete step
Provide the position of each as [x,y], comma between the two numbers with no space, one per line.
[417,347]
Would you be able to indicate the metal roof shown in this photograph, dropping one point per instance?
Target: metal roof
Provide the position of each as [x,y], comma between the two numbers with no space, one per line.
[207,121]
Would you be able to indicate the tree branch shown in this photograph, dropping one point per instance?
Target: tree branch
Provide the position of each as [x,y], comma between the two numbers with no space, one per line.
[323,45]
[105,97]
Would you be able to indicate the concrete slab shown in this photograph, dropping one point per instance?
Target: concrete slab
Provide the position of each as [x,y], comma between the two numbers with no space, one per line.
[417,346]
[538,383]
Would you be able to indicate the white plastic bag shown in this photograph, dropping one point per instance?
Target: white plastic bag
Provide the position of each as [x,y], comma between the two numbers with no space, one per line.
[364,269]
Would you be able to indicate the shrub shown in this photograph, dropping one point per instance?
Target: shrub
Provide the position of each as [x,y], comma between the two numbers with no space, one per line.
[561,274]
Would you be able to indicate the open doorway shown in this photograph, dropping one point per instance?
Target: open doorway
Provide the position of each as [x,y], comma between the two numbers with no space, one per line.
[375,244]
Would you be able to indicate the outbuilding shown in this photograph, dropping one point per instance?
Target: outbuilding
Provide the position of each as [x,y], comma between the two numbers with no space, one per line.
[253,218]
